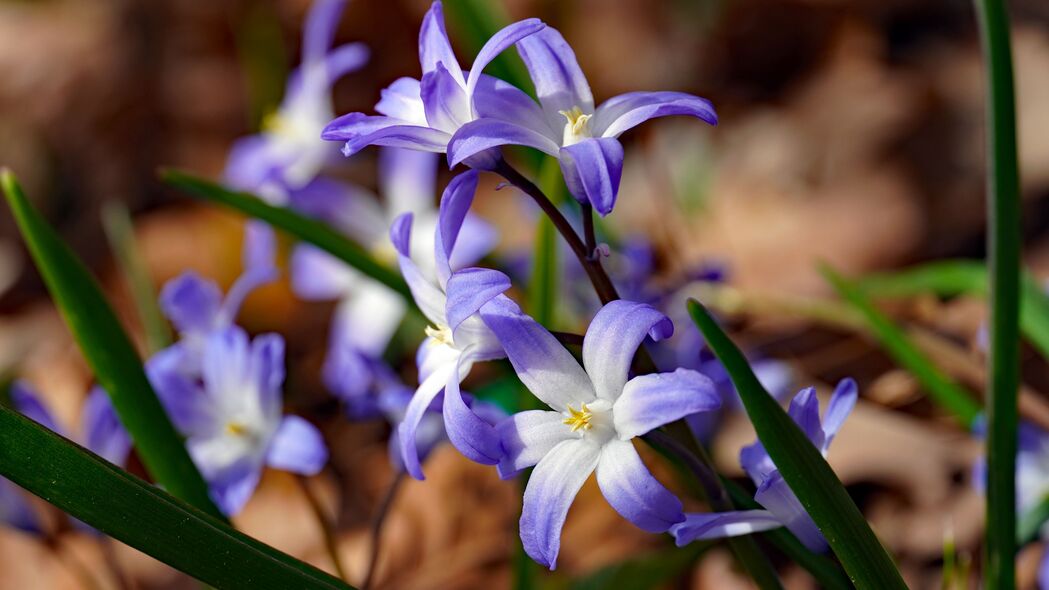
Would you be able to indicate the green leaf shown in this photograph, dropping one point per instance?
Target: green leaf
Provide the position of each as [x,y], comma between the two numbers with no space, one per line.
[644,572]
[120,233]
[476,21]
[943,391]
[804,468]
[309,230]
[128,509]
[1031,522]
[109,352]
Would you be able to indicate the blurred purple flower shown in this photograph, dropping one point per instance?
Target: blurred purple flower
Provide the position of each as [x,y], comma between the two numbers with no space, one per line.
[596,413]
[15,510]
[423,114]
[566,125]
[782,507]
[457,337]
[232,420]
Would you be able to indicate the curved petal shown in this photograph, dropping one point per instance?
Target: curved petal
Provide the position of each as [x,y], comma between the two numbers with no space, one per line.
[554,484]
[413,137]
[455,204]
[613,338]
[559,81]
[755,461]
[189,408]
[717,525]
[476,239]
[407,180]
[776,495]
[495,99]
[650,401]
[191,302]
[471,288]
[626,111]
[368,319]
[498,43]
[28,403]
[233,485]
[473,436]
[345,59]
[434,47]
[484,134]
[424,396]
[805,411]
[319,30]
[592,169]
[430,299]
[527,437]
[445,102]
[630,488]
[351,125]
[103,433]
[838,409]
[549,371]
[402,100]
[319,276]
[267,364]
[298,447]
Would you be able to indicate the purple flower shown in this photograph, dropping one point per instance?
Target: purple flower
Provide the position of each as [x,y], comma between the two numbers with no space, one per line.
[423,114]
[782,507]
[100,432]
[289,153]
[457,337]
[596,412]
[567,126]
[232,419]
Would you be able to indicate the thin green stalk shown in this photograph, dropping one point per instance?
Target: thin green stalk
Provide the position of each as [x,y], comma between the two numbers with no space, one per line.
[120,232]
[1003,246]
[328,532]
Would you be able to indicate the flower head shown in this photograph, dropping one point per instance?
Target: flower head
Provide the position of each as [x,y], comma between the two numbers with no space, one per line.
[596,412]
[423,114]
[782,507]
[565,124]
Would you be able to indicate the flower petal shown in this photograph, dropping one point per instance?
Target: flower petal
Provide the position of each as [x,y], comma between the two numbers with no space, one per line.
[455,204]
[626,111]
[407,180]
[841,403]
[189,408]
[319,276]
[413,137]
[549,371]
[498,43]
[402,100]
[191,302]
[233,486]
[554,484]
[473,436]
[434,47]
[717,525]
[496,99]
[559,81]
[805,411]
[650,401]
[15,510]
[103,433]
[319,30]
[775,495]
[444,100]
[527,437]
[267,363]
[368,319]
[298,447]
[406,432]
[592,169]
[471,288]
[613,338]
[756,462]
[28,403]
[484,134]
[630,488]
[430,299]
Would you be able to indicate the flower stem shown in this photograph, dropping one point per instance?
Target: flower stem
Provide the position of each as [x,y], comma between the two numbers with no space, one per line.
[590,239]
[377,524]
[327,529]
[1003,245]
[602,284]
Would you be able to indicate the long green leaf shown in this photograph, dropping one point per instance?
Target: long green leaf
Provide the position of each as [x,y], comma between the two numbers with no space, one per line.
[945,392]
[804,468]
[128,509]
[1003,253]
[644,572]
[109,352]
[304,228]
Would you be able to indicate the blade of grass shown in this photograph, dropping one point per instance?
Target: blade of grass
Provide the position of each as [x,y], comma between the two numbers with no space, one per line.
[109,352]
[308,230]
[943,391]
[128,509]
[652,570]
[120,232]
[804,468]
[1003,253]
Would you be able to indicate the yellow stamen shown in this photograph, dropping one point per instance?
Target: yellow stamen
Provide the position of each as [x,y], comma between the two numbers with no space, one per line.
[236,428]
[273,122]
[442,335]
[579,419]
[577,126]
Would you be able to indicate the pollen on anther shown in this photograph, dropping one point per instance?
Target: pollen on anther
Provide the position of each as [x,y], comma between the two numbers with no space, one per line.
[578,419]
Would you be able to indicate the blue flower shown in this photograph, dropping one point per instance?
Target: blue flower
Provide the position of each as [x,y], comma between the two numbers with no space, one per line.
[565,124]
[423,114]
[596,412]
[782,507]
[232,419]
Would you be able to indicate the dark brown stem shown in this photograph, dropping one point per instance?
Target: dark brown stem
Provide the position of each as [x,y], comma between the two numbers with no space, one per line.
[589,237]
[602,284]
[327,528]
[377,523]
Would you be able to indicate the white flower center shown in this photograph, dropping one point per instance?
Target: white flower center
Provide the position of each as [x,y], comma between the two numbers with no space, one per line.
[577,126]
[442,334]
[591,420]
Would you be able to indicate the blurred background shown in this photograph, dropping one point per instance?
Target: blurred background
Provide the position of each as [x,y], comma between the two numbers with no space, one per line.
[851,133]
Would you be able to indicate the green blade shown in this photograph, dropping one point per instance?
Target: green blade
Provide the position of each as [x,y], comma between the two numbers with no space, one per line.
[308,230]
[109,352]
[128,509]
[804,468]
[943,391]
[644,572]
